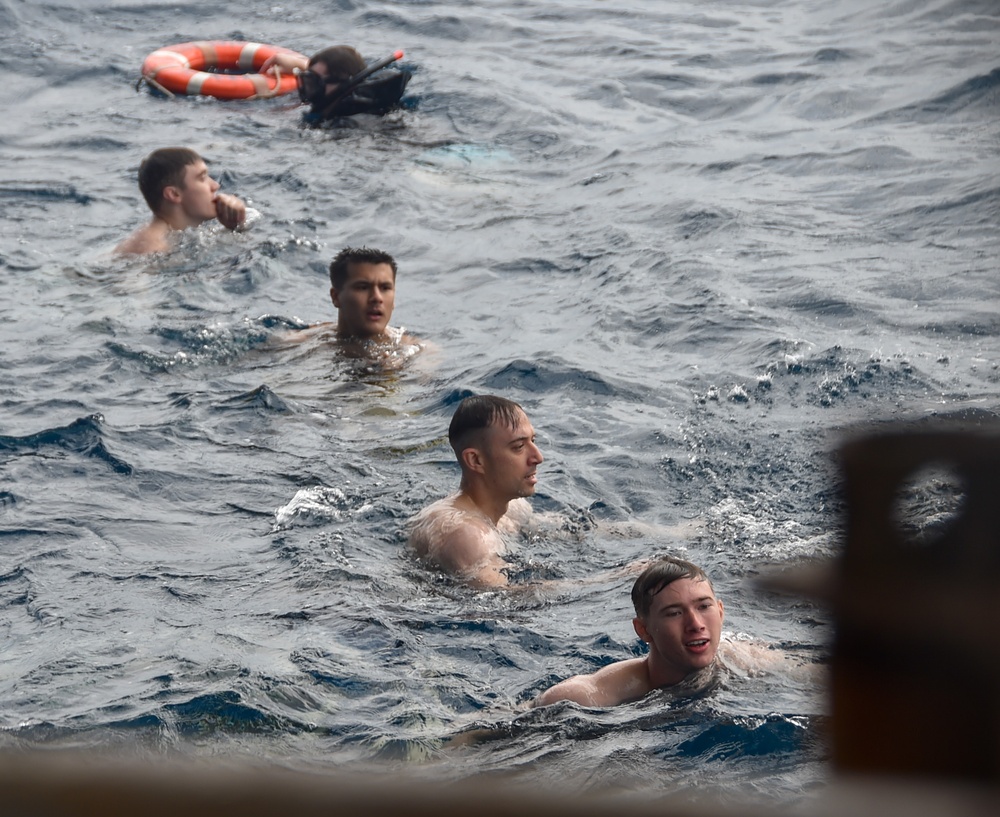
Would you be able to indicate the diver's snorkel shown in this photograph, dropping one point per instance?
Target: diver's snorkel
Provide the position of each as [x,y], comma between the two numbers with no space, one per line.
[344,90]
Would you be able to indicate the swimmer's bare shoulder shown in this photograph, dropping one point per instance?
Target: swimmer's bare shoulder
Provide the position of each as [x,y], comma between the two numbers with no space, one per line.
[411,344]
[149,238]
[754,657]
[617,683]
[518,517]
[460,540]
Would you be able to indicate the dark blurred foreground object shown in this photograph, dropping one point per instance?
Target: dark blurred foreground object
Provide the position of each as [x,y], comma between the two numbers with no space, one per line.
[915,675]
[83,784]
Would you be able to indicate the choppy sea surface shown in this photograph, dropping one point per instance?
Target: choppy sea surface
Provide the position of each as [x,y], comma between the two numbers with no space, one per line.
[695,240]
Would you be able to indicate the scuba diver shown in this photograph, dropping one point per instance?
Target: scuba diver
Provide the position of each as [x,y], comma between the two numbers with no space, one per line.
[337,82]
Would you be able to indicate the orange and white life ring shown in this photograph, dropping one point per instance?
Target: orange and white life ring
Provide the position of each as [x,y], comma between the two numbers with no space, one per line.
[190,68]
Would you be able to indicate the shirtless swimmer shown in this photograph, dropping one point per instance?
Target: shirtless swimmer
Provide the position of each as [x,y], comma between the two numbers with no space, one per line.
[678,615]
[463,533]
[181,194]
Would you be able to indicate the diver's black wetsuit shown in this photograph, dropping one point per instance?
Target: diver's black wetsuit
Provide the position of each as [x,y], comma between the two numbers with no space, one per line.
[378,94]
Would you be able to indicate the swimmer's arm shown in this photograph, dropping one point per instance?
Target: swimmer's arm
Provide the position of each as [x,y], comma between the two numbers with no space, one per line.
[488,576]
[324,331]
[286,62]
[614,684]
[429,358]
[426,346]
[231,211]
[470,551]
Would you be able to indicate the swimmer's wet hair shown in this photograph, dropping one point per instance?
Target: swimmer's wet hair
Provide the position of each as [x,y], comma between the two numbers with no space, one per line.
[479,412]
[163,168]
[342,62]
[357,255]
[658,575]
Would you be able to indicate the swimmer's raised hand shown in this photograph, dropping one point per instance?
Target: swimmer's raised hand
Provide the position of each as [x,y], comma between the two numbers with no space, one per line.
[231,211]
[286,62]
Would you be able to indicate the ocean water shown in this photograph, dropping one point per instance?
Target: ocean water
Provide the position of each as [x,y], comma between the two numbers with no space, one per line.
[695,241]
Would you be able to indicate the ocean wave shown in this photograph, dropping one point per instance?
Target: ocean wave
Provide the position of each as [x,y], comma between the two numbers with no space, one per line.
[83,436]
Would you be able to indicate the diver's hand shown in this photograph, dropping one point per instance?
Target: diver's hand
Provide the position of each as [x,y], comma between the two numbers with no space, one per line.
[231,211]
[286,62]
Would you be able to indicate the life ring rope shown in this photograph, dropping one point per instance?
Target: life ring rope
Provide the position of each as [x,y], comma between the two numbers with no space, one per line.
[179,69]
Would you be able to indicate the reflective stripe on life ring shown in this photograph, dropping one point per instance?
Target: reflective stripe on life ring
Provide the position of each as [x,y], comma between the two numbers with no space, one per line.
[190,68]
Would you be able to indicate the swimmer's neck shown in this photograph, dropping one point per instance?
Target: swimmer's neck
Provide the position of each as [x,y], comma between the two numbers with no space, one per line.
[160,227]
[661,677]
[346,337]
[475,496]
[172,219]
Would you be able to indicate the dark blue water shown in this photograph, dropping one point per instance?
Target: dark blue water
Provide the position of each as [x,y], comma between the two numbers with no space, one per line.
[695,241]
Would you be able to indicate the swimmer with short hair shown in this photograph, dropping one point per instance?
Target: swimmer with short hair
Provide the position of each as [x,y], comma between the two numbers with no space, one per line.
[363,291]
[180,193]
[464,533]
[678,615]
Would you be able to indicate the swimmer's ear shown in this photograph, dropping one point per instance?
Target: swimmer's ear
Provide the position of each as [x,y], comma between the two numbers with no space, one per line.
[172,194]
[640,629]
[472,459]
[722,611]
[335,297]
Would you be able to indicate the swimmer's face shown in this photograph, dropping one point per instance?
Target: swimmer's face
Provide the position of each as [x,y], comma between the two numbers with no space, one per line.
[366,301]
[682,629]
[510,459]
[315,84]
[196,194]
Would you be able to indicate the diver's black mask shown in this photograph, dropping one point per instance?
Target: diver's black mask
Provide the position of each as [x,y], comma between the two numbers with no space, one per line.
[312,87]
